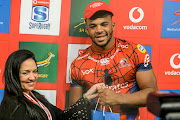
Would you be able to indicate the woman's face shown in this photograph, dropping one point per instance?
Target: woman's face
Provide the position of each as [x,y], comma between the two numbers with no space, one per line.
[28,75]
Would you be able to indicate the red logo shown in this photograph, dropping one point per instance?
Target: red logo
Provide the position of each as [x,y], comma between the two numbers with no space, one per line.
[172,61]
[169,65]
[80,51]
[41,2]
[176,13]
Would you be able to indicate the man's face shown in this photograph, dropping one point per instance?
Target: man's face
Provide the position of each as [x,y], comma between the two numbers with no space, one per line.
[100,31]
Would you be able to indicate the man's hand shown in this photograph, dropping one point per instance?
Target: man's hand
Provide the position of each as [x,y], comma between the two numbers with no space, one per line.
[92,92]
[108,97]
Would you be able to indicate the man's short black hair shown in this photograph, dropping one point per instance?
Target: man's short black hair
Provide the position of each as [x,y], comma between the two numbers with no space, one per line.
[100,14]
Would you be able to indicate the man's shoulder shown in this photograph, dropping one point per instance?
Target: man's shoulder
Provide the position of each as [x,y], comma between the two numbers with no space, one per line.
[83,55]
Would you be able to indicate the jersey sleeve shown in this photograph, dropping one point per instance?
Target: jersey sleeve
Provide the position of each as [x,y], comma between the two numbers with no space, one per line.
[144,63]
[73,71]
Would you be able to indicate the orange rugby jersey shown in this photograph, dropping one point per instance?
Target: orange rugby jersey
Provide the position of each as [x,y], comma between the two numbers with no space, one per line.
[115,67]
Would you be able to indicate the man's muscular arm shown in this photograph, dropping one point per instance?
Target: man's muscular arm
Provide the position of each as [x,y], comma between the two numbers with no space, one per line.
[74,94]
[147,83]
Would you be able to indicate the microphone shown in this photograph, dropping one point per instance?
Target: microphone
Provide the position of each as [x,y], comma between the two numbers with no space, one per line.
[164,104]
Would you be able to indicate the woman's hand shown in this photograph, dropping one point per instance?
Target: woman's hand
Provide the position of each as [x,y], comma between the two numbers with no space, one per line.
[92,92]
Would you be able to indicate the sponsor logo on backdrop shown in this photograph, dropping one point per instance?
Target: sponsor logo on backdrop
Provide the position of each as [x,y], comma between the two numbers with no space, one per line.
[47,59]
[176,13]
[134,11]
[171,19]
[38,17]
[40,14]
[5,6]
[141,16]
[174,65]
[80,26]
[172,61]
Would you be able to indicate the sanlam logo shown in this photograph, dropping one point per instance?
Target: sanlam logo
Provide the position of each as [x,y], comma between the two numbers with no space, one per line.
[176,13]
[173,65]
[135,20]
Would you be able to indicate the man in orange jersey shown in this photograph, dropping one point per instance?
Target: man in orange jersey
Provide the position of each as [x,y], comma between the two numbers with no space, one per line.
[123,66]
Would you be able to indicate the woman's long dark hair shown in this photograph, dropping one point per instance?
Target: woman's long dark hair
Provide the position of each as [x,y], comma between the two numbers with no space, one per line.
[11,72]
[13,90]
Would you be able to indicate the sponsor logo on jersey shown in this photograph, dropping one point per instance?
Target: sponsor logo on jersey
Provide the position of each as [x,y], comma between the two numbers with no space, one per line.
[86,72]
[123,63]
[118,87]
[105,61]
[141,48]
[146,60]
[80,51]
[123,46]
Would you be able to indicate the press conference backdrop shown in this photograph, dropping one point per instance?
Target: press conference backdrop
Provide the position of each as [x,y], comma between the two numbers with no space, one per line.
[54,30]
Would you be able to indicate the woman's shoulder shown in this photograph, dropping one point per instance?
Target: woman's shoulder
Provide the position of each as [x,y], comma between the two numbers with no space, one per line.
[11,107]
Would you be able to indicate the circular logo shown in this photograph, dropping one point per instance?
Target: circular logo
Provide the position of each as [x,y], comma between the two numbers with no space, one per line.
[172,61]
[34,1]
[131,14]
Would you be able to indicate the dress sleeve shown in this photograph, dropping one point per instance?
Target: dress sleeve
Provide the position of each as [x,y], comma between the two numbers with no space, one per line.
[78,110]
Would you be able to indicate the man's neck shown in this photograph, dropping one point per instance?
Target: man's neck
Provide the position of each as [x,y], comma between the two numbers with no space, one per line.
[105,48]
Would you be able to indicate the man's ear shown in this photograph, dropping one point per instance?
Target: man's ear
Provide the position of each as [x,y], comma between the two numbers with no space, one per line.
[86,29]
[113,25]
